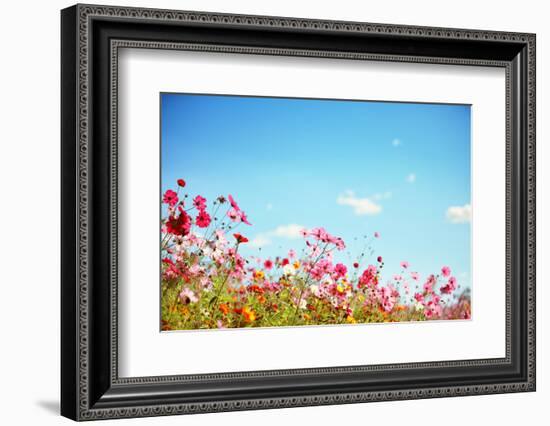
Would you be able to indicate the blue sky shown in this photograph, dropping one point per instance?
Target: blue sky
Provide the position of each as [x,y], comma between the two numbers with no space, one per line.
[401,169]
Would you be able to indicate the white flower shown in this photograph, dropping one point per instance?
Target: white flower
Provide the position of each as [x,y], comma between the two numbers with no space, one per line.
[418,306]
[303,304]
[315,290]
[289,269]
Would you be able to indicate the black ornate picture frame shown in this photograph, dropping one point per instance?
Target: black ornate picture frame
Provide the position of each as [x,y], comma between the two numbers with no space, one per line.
[91,37]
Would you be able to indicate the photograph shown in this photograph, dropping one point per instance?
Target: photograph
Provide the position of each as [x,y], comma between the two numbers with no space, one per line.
[280,211]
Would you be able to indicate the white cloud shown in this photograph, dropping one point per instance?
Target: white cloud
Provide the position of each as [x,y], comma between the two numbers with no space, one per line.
[459,214]
[290,232]
[411,178]
[396,142]
[361,206]
[260,241]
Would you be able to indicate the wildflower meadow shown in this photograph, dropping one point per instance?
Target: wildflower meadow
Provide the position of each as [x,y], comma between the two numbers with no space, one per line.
[207,283]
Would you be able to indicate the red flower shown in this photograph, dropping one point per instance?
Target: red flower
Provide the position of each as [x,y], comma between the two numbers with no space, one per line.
[170,198]
[356,265]
[285,262]
[379,259]
[240,239]
[180,225]
[268,264]
[181,182]
[203,219]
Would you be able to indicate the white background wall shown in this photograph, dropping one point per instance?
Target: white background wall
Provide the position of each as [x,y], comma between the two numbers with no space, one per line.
[29,212]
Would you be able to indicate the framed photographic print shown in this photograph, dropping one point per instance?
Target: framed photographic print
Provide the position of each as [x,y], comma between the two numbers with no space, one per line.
[263,212]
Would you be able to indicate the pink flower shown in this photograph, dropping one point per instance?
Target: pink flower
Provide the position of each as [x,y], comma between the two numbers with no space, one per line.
[340,270]
[339,243]
[415,276]
[387,297]
[199,202]
[170,198]
[429,284]
[376,235]
[268,264]
[188,296]
[203,219]
[449,287]
[291,254]
[404,264]
[369,277]
[243,218]
[446,271]
[397,278]
[233,203]
[234,215]
[419,297]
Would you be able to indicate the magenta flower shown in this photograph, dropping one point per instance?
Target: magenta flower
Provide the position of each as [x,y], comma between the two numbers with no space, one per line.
[243,218]
[203,219]
[376,235]
[233,203]
[340,270]
[446,271]
[404,264]
[170,198]
[268,264]
[199,202]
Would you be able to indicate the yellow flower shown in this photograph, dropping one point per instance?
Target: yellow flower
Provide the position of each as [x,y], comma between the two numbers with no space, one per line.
[296,264]
[340,288]
[351,320]
[259,275]
[249,314]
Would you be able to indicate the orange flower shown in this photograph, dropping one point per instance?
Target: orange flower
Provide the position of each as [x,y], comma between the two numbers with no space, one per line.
[261,298]
[224,308]
[249,314]
[259,275]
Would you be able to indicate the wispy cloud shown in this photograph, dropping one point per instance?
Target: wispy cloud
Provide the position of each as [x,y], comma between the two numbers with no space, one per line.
[382,195]
[411,178]
[396,142]
[291,231]
[269,207]
[459,214]
[361,206]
